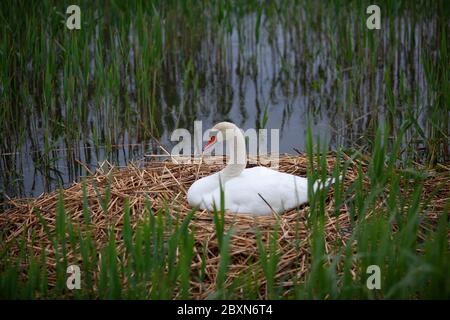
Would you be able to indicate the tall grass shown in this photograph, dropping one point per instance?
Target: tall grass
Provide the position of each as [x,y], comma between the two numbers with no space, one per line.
[138,70]
[151,258]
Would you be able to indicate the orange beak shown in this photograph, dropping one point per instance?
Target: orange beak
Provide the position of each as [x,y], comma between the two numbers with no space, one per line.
[211,141]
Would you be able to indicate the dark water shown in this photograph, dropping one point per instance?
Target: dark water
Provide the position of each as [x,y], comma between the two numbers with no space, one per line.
[344,80]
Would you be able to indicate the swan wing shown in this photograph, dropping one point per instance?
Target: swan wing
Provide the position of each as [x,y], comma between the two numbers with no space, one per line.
[260,191]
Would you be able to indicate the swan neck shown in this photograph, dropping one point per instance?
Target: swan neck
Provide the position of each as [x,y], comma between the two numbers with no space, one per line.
[236,153]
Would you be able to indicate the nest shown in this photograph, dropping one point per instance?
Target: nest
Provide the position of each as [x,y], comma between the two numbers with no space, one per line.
[165,183]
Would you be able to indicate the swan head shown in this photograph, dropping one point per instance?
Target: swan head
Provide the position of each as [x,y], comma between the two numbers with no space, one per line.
[219,133]
[236,155]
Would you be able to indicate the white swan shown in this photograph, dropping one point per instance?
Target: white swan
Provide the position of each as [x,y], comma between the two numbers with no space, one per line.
[256,191]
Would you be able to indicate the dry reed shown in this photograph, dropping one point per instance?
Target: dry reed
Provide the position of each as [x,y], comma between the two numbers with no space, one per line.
[165,184]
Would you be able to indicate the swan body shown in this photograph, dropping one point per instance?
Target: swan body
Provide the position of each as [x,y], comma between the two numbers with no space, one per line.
[256,191]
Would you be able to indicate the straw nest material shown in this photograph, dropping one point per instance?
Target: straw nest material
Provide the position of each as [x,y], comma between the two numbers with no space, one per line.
[166,183]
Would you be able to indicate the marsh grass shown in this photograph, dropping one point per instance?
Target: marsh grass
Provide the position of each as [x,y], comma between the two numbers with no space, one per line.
[147,246]
[139,70]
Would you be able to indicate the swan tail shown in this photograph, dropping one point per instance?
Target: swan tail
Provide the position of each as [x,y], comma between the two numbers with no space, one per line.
[319,185]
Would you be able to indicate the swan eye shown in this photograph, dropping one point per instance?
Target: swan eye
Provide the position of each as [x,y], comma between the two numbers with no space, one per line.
[211,141]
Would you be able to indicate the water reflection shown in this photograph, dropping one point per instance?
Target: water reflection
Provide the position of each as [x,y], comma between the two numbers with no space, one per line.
[297,67]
